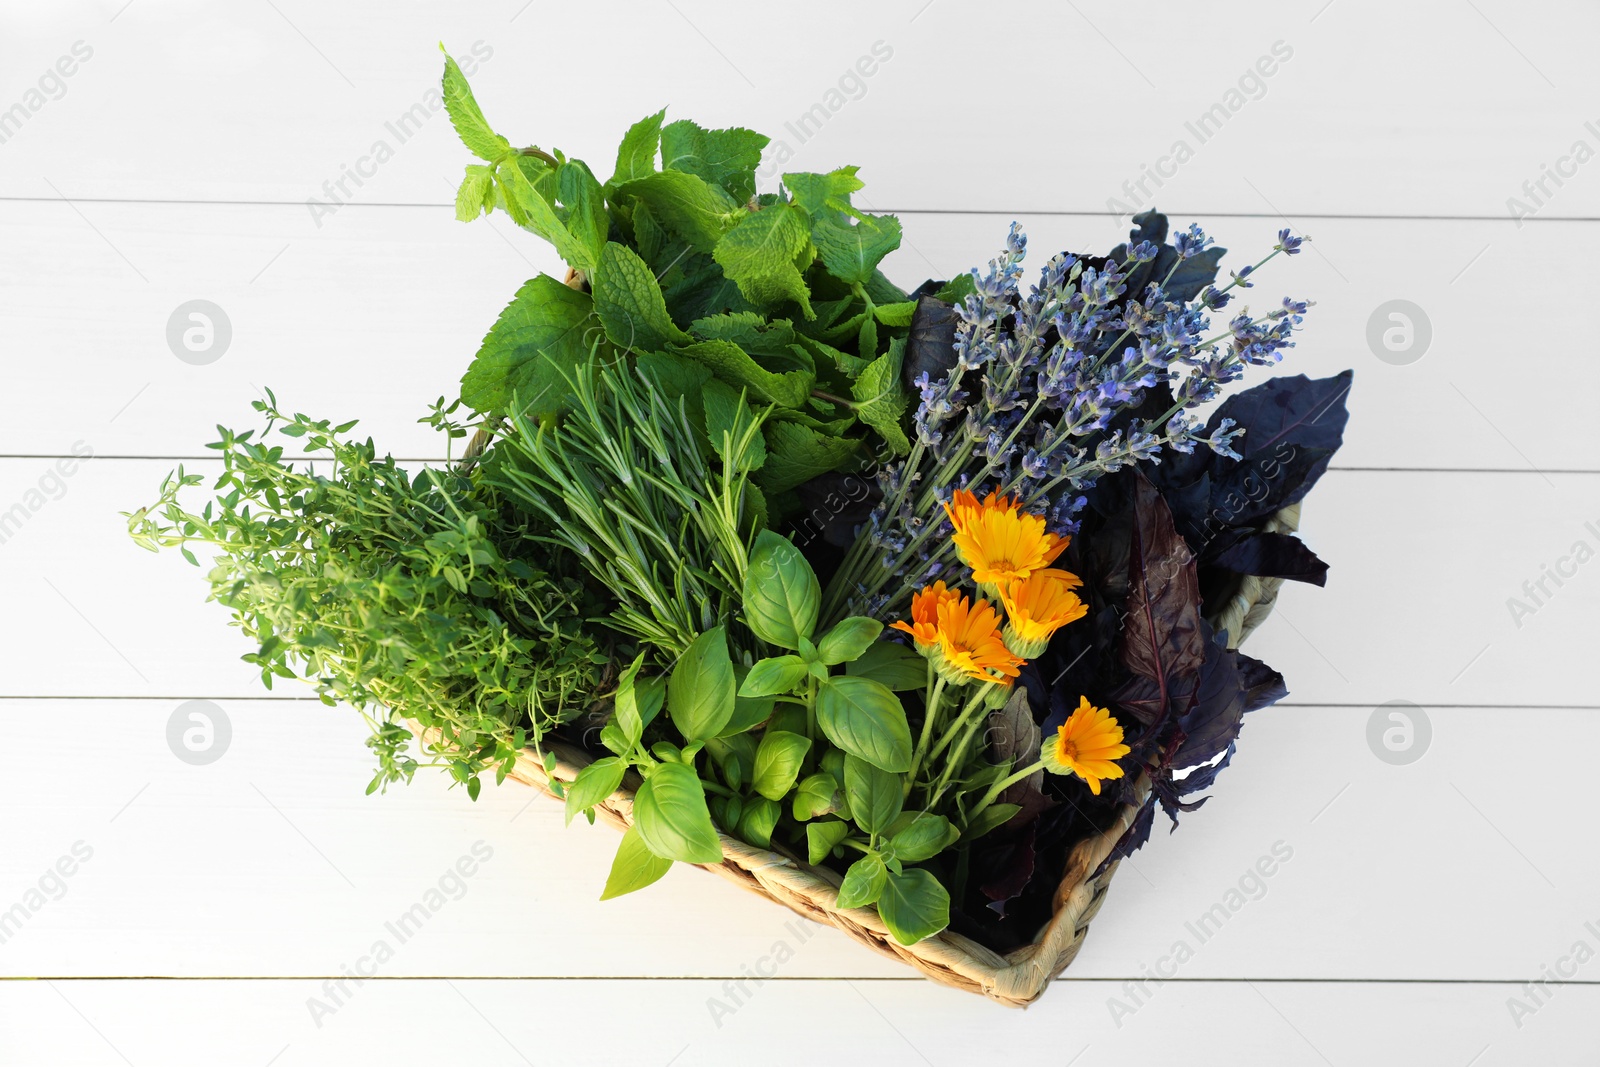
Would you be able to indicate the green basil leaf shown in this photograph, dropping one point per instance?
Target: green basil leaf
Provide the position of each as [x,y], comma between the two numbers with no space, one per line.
[757,820]
[898,667]
[914,905]
[700,694]
[773,677]
[671,815]
[823,837]
[875,795]
[778,761]
[635,866]
[866,720]
[593,784]
[625,710]
[923,838]
[781,593]
[849,639]
[735,756]
[863,882]
[818,794]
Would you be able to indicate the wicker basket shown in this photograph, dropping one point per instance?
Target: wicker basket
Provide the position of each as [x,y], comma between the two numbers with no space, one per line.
[1017,978]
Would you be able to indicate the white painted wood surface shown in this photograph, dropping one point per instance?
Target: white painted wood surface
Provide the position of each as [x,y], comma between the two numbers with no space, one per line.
[176,164]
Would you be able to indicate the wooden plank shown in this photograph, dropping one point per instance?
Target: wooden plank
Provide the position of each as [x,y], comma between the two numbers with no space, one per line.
[1456,106]
[106,618]
[602,1023]
[270,861]
[379,312]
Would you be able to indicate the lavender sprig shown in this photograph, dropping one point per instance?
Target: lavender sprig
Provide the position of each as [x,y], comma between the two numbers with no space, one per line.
[1058,369]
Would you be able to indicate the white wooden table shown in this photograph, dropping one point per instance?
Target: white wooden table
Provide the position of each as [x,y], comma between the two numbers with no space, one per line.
[214,913]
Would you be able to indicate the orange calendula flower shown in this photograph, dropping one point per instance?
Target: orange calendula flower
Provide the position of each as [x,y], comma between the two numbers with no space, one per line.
[1086,745]
[999,541]
[964,506]
[970,645]
[924,625]
[1039,605]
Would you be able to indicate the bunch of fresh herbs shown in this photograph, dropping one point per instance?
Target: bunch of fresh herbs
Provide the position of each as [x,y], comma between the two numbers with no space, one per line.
[663,435]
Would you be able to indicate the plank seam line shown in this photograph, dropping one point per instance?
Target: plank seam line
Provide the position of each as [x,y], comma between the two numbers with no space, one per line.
[908,979]
[213,458]
[1350,216]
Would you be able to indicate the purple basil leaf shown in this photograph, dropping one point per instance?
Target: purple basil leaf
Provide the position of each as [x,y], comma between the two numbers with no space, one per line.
[1273,555]
[1163,639]
[1263,685]
[930,345]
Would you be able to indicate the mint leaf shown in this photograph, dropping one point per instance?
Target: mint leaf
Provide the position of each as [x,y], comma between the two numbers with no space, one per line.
[532,211]
[957,289]
[730,421]
[852,252]
[539,337]
[687,205]
[748,330]
[583,209]
[759,255]
[895,314]
[821,195]
[727,158]
[733,365]
[629,302]
[636,156]
[476,195]
[848,365]
[467,118]
[797,454]
[881,400]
